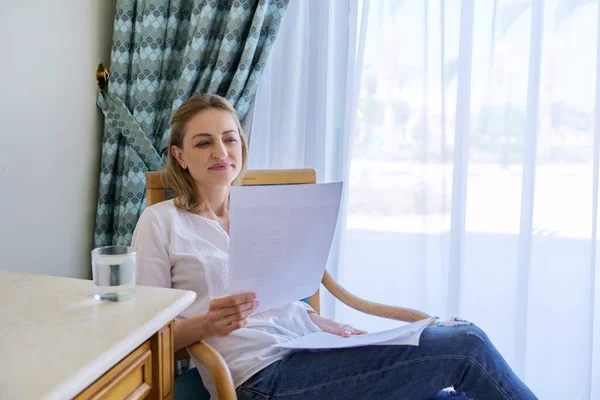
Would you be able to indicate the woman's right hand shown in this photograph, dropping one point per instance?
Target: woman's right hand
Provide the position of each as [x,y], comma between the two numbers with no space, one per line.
[229,313]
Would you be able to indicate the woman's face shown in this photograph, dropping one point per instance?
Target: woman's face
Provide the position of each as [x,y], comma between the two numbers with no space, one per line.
[212,148]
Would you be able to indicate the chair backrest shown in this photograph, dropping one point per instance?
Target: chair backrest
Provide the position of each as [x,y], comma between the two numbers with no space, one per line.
[155,192]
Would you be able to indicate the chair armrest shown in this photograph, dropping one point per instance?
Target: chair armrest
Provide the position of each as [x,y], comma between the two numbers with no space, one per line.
[217,367]
[369,307]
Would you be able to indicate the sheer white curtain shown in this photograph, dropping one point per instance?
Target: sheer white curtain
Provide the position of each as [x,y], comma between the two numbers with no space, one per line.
[306,103]
[471,164]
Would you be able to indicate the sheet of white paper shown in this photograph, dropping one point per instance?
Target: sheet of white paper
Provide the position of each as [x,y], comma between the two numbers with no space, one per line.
[404,335]
[279,241]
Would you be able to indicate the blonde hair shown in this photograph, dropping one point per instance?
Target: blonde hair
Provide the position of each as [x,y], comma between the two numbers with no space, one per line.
[179,179]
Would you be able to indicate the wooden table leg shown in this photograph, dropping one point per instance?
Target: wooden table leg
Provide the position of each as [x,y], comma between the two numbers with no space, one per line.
[163,374]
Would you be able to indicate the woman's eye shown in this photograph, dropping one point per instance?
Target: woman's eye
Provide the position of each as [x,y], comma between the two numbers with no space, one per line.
[203,144]
[231,140]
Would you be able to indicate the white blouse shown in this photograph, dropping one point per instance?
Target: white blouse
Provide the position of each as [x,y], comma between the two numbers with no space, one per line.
[181,250]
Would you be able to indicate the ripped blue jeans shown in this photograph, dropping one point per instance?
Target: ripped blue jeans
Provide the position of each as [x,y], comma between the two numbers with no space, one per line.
[461,356]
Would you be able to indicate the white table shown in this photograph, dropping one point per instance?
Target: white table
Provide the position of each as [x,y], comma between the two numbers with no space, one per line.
[56,340]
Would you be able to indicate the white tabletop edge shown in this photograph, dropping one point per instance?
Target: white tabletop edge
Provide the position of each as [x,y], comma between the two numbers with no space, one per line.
[98,367]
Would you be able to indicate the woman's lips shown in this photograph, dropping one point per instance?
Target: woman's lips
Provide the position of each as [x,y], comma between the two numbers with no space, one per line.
[220,167]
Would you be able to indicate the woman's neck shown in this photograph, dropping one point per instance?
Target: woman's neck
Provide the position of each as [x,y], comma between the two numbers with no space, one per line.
[216,200]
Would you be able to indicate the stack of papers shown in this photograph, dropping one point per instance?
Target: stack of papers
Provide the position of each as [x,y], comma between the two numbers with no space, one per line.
[404,335]
[279,242]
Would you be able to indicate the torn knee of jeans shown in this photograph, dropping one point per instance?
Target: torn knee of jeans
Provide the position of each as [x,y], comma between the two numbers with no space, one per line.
[476,334]
[451,392]
[456,321]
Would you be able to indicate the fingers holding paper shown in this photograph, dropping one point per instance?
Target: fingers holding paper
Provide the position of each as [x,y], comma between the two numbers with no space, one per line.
[229,313]
[349,330]
[330,326]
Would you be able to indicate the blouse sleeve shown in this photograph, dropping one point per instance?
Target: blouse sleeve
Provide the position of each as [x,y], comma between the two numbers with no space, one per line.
[151,242]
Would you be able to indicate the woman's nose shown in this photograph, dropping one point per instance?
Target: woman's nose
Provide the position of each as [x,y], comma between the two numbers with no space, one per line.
[220,152]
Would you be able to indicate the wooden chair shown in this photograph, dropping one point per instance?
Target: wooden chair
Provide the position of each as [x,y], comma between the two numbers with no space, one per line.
[206,354]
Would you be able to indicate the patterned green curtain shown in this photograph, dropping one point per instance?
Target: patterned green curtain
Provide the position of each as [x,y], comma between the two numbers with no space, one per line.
[163,51]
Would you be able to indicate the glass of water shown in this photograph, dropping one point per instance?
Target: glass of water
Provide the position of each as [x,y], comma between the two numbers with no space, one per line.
[113,270]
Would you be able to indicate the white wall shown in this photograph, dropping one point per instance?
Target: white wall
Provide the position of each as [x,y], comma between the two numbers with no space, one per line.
[50,132]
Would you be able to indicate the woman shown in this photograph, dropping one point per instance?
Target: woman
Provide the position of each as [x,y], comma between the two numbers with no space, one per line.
[183,243]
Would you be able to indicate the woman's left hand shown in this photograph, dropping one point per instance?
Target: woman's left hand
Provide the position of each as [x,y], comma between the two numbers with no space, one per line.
[349,330]
[336,328]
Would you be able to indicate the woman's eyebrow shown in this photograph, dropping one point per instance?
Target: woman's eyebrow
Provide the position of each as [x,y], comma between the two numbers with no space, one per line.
[208,134]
